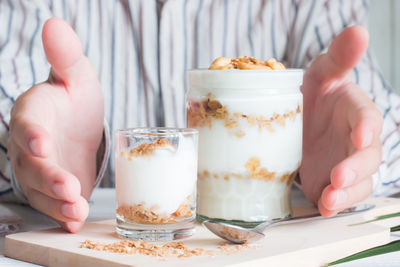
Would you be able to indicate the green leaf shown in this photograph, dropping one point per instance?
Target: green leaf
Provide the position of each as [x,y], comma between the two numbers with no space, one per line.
[390,247]
[395,228]
[378,218]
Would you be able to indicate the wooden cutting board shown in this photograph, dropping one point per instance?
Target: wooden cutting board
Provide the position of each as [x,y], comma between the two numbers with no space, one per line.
[311,243]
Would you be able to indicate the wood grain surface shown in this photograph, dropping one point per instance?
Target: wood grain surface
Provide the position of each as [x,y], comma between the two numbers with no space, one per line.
[311,243]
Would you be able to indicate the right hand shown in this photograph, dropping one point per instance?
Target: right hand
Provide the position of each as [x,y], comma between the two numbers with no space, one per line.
[56,129]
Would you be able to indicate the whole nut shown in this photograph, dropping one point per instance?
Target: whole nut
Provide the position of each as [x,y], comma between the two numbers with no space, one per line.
[220,63]
[250,66]
[270,62]
[278,66]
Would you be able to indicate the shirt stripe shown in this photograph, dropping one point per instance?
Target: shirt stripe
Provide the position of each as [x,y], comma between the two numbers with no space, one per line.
[306,24]
[11,6]
[250,28]
[225,32]
[7,191]
[89,24]
[31,45]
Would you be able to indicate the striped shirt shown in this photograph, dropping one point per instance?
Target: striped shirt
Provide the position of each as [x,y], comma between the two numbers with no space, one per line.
[142,49]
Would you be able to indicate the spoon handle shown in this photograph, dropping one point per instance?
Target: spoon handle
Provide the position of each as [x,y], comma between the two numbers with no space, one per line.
[348,211]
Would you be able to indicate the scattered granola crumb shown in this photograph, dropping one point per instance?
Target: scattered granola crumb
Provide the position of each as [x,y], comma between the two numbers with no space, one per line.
[139,214]
[257,172]
[171,249]
[146,149]
[230,249]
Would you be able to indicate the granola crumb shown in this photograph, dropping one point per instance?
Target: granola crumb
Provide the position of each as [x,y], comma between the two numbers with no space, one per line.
[171,249]
[139,214]
[236,175]
[230,249]
[258,172]
[146,149]
[239,134]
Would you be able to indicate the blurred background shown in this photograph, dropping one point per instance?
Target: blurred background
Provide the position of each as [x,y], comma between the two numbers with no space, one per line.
[384,26]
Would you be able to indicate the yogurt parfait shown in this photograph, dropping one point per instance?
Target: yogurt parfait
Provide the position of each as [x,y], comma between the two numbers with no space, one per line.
[156,174]
[249,116]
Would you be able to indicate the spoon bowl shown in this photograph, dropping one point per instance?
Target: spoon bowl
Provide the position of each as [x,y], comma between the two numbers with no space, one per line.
[240,235]
[234,233]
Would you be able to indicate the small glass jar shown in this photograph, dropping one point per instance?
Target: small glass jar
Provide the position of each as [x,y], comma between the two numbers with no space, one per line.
[250,142]
[155,182]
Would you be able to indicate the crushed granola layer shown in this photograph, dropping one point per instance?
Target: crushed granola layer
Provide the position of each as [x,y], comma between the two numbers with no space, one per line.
[255,171]
[139,214]
[171,249]
[146,149]
[246,63]
[201,114]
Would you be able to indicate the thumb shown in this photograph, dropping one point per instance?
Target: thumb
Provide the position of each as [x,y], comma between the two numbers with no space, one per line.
[64,52]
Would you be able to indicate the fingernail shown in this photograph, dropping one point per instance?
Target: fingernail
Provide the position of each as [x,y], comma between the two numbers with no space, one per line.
[341,198]
[367,139]
[34,147]
[59,190]
[349,177]
[69,210]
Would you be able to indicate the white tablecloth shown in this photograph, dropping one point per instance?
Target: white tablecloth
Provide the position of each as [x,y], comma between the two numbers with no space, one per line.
[102,207]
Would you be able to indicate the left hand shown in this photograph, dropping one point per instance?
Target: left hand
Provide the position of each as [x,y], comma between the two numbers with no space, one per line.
[341,144]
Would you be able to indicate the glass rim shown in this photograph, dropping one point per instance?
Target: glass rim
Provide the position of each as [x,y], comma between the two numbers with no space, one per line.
[155,131]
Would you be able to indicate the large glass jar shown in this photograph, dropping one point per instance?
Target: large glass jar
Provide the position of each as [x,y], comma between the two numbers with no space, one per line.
[250,142]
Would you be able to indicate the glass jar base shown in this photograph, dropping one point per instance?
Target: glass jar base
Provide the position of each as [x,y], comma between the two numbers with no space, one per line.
[155,235]
[245,224]
[166,232]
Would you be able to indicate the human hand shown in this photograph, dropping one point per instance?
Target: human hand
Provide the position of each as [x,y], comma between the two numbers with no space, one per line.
[341,145]
[56,129]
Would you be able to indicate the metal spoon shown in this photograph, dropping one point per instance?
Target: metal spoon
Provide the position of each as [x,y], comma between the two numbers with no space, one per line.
[240,235]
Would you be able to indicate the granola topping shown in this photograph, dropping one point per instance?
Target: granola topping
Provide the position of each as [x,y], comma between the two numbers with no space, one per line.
[171,249]
[139,214]
[146,149]
[246,63]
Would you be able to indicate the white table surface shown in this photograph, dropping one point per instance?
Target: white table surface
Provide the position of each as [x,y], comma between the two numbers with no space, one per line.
[102,207]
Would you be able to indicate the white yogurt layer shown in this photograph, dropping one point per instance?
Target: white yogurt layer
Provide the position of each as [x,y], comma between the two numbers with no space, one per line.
[164,178]
[243,199]
[278,151]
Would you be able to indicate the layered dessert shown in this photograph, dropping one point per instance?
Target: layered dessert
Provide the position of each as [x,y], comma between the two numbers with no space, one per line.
[156,180]
[249,116]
